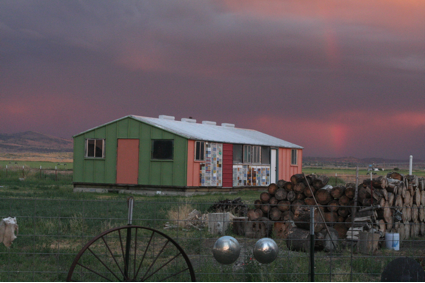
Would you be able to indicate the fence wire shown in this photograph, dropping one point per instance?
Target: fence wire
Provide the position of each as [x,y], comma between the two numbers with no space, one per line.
[53,231]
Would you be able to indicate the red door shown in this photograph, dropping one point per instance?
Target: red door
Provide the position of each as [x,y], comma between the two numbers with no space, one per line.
[227,165]
[127,161]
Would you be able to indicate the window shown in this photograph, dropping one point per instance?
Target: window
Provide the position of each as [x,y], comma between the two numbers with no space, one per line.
[265,155]
[256,154]
[247,154]
[200,151]
[95,148]
[294,157]
[162,149]
[237,153]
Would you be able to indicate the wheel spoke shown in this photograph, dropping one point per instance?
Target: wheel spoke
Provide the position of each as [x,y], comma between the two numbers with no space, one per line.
[94,272]
[103,264]
[122,248]
[112,255]
[174,274]
[143,278]
[146,250]
[135,254]
[162,266]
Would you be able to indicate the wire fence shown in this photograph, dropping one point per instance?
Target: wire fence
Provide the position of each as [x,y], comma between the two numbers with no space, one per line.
[53,231]
[23,173]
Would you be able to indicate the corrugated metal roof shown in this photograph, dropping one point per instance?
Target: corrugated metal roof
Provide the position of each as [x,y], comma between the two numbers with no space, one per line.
[213,133]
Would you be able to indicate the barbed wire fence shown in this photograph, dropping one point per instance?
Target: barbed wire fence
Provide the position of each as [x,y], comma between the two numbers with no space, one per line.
[52,232]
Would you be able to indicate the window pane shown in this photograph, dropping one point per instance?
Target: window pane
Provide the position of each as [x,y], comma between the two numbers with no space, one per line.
[162,149]
[265,155]
[202,151]
[90,148]
[247,151]
[99,148]
[237,153]
[197,150]
[294,156]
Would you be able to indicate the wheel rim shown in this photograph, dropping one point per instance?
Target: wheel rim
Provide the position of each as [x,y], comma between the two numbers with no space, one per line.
[131,253]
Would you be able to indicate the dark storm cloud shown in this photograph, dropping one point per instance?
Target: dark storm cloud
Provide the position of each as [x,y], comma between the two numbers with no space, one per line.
[329,69]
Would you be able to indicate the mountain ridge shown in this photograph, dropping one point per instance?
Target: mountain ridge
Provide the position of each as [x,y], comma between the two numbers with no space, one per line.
[30,141]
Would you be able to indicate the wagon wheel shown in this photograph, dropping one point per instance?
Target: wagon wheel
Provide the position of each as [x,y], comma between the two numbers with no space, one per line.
[131,253]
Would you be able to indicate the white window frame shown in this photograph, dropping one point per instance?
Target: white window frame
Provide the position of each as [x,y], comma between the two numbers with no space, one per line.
[198,144]
[294,157]
[86,154]
[256,154]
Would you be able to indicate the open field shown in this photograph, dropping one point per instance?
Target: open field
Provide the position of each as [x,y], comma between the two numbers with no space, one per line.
[362,172]
[55,223]
[58,157]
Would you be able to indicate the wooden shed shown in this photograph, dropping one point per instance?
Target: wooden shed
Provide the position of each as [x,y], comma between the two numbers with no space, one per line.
[162,155]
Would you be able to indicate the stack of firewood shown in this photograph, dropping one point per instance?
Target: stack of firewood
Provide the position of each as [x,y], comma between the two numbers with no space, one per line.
[282,202]
[399,202]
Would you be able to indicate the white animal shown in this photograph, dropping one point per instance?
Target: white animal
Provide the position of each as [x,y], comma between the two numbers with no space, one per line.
[8,226]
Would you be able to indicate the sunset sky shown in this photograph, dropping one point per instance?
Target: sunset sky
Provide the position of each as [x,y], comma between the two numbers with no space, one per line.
[340,78]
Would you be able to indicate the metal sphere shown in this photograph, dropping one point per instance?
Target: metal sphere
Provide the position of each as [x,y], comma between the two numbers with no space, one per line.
[226,250]
[265,250]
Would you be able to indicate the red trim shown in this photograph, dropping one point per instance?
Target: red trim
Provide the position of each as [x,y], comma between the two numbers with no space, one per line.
[227,165]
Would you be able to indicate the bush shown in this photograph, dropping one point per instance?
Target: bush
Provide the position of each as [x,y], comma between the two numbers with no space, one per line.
[396,169]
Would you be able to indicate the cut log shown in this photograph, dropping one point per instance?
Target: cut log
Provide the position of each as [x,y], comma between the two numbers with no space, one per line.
[296,204]
[350,190]
[298,240]
[308,191]
[275,214]
[415,213]
[408,213]
[281,183]
[272,188]
[320,181]
[326,241]
[273,201]
[288,186]
[398,201]
[297,178]
[309,201]
[280,194]
[259,212]
[391,199]
[377,194]
[287,216]
[407,231]
[252,215]
[389,225]
[404,214]
[406,199]
[239,224]
[388,215]
[341,230]
[395,175]
[343,211]
[291,196]
[284,205]
[423,197]
[422,229]
[300,196]
[368,242]
[323,196]
[343,201]
[265,197]
[417,197]
[382,226]
[363,193]
[414,229]
[257,203]
[299,188]
[302,219]
[382,202]
[331,218]
[421,213]
[341,219]
[337,192]
[281,229]
[266,209]
[348,222]
[385,193]
[333,206]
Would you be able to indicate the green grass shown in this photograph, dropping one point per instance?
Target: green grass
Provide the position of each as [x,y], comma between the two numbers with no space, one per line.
[55,223]
[35,165]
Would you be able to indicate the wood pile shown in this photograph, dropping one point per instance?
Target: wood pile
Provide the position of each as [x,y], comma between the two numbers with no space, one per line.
[236,207]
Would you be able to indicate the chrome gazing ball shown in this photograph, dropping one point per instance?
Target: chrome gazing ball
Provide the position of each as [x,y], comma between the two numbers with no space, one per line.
[226,250]
[265,250]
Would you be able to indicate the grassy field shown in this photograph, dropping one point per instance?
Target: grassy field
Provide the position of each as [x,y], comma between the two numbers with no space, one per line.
[55,223]
[17,165]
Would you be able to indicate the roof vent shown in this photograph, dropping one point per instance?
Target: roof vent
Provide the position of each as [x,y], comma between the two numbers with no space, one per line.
[165,117]
[227,125]
[209,123]
[187,120]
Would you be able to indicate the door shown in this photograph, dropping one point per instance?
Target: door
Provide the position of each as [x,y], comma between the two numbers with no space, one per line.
[128,161]
[273,168]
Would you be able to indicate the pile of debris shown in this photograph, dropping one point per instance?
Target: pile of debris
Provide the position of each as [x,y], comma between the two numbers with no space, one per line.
[236,207]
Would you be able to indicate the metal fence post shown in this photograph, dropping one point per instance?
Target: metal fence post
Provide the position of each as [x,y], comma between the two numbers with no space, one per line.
[312,243]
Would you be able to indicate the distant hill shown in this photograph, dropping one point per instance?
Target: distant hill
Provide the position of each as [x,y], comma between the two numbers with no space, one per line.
[351,160]
[33,142]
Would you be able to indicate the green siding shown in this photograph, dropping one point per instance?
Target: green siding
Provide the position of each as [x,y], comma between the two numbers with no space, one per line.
[151,172]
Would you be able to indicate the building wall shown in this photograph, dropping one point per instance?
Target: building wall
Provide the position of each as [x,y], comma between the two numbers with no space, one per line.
[151,172]
[193,167]
[227,165]
[285,168]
